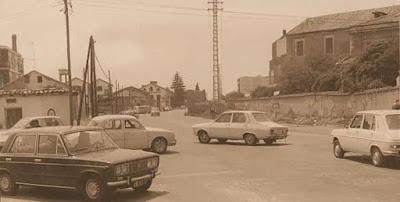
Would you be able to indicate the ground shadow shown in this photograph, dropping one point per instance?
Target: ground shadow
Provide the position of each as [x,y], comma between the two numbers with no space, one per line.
[244,144]
[56,195]
[391,163]
[170,153]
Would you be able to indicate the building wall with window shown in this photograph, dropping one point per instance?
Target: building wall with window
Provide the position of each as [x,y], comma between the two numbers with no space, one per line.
[161,97]
[35,80]
[11,64]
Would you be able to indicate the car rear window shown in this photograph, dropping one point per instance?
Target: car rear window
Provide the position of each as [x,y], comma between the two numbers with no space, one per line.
[393,121]
[261,117]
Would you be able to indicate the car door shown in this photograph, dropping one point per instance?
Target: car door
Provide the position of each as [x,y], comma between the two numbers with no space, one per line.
[350,139]
[135,135]
[238,126]
[366,134]
[114,129]
[22,158]
[220,127]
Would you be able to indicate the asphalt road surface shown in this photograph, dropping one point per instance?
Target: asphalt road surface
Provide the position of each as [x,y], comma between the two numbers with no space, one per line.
[302,168]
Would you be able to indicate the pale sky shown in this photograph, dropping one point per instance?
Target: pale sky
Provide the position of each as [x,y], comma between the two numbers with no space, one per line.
[144,40]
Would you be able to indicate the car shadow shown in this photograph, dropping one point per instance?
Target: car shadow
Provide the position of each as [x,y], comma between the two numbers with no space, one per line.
[170,153]
[56,195]
[244,144]
[393,164]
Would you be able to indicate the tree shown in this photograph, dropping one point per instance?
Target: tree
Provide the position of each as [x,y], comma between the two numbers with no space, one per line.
[178,87]
[263,91]
[197,87]
[234,95]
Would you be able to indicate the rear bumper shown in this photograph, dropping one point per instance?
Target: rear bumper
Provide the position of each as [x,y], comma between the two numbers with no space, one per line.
[130,181]
[277,137]
[391,153]
[172,143]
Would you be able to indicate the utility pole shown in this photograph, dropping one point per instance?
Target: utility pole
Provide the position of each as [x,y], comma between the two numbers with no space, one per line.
[217,87]
[71,112]
[93,78]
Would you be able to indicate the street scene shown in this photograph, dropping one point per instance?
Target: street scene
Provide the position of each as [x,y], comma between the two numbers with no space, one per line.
[184,100]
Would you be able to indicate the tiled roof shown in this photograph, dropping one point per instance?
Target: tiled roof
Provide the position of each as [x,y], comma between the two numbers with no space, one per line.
[394,17]
[24,92]
[340,20]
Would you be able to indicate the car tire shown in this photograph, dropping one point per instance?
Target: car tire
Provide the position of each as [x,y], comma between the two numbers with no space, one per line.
[378,159]
[7,184]
[94,190]
[143,188]
[203,137]
[159,145]
[338,151]
[269,141]
[250,139]
[222,140]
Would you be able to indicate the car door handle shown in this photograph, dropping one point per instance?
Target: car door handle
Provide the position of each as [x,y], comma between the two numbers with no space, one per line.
[38,160]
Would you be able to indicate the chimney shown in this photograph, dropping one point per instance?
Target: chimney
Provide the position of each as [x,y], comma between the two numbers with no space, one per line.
[284,32]
[14,43]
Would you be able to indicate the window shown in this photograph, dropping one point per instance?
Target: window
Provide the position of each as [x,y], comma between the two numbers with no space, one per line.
[131,124]
[60,148]
[24,144]
[261,117]
[26,79]
[47,144]
[239,118]
[224,118]
[356,123]
[299,49]
[329,45]
[113,124]
[369,122]
[393,121]
[11,100]
[39,79]
[151,89]
[99,88]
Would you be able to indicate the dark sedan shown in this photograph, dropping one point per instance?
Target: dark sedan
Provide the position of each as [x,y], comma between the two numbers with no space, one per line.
[79,158]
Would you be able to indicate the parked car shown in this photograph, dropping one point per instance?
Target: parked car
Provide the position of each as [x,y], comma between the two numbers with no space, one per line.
[84,159]
[30,122]
[155,111]
[144,109]
[250,126]
[375,133]
[129,133]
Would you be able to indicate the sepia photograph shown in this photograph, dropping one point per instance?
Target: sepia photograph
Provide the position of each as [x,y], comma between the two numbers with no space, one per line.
[199,100]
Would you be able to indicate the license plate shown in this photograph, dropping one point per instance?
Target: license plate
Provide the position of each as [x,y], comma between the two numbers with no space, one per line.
[139,183]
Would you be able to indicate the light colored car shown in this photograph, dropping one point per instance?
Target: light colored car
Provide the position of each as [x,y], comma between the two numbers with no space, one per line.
[129,133]
[250,126]
[375,133]
[155,111]
[30,122]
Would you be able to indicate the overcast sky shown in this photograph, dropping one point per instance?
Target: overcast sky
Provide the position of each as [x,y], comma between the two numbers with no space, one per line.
[146,40]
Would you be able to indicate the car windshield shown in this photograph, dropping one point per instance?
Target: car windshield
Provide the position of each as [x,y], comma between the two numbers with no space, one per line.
[21,123]
[88,141]
[261,117]
[393,121]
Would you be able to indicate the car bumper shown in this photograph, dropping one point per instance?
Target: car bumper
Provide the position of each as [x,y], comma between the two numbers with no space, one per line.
[130,181]
[172,143]
[391,153]
[277,136]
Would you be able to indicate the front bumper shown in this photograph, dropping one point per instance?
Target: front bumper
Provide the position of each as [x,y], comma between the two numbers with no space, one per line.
[172,143]
[391,153]
[277,136]
[131,180]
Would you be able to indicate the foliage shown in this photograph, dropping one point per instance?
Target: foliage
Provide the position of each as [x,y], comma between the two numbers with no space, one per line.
[234,95]
[263,91]
[197,87]
[178,97]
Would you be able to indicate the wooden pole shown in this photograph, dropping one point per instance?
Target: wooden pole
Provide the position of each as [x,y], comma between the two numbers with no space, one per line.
[83,91]
[71,105]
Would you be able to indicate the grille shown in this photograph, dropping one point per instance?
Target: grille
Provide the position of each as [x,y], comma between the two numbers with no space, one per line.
[138,166]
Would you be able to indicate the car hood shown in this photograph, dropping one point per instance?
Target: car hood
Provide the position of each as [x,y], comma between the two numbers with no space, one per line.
[6,133]
[201,125]
[272,124]
[395,134]
[116,156]
[150,129]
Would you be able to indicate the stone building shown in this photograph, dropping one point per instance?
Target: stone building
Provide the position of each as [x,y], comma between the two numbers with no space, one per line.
[247,84]
[11,63]
[161,97]
[129,97]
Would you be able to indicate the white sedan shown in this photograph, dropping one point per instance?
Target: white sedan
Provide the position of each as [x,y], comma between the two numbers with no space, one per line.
[375,133]
[250,126]
[129,133]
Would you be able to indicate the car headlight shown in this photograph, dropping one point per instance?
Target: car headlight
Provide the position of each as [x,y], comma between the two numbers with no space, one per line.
[152,163]
[396,147]
[122,169]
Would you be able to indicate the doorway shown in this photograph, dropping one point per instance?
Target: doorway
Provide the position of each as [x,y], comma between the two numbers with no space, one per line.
[13,115]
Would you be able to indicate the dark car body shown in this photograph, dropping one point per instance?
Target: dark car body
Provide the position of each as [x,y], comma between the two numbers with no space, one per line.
[65,169]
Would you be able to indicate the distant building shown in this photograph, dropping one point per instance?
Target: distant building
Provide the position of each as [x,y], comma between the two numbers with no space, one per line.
[11,63]
[103,87]
[129,97]
[247,84]
[195,96]
[161,97]
[34,94]
[335,36]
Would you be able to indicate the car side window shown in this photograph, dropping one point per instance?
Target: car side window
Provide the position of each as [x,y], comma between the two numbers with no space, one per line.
[108,124]
[224,118]
[356,123]
[239,118]
[369,122]
[47,144]
[24,144]
[60,148]
[113,124]
[132,124]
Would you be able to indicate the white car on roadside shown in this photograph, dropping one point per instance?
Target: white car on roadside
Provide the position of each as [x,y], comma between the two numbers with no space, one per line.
[129,133]
[30,122]
[375,133]
[250,126]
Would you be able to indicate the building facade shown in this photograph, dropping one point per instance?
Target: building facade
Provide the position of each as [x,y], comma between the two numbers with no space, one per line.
[129,97]
[11,63]
[247,84]
[103,87]
[161,97]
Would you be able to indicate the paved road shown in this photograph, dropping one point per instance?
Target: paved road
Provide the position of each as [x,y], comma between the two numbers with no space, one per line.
[300,169]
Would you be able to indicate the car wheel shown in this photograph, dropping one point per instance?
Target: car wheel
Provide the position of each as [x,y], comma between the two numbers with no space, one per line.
[94,190]
[269,141]
[203,137]
[222,140]
[7,184]
[143,188]
[159,145]
[250,139]
[337,149]
[377,158]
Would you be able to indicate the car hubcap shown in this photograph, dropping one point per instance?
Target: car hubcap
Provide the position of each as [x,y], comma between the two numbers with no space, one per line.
[160,145]
[250,139]
[203,137]
[4,183]
[337,150]
[376,158]
[92,189]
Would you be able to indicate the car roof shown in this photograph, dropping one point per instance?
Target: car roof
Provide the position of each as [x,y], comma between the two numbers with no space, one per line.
[242,111]
[61,129]
[41,117]
[115,116]
[380,112]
